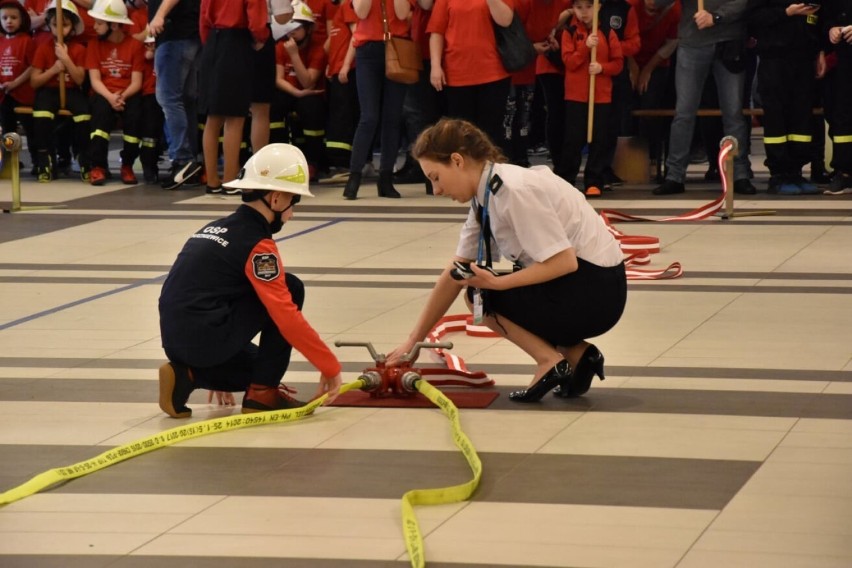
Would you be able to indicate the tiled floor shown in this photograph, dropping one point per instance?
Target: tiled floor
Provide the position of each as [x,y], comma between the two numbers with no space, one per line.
[722,436]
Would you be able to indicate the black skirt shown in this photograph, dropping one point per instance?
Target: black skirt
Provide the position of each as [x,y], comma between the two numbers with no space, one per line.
[566,310]
[226,73]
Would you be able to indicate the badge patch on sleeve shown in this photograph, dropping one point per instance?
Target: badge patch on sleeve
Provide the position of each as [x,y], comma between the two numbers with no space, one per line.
[265,266]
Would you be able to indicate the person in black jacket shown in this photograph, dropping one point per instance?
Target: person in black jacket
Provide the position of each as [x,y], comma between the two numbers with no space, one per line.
[788,44]
[227,285]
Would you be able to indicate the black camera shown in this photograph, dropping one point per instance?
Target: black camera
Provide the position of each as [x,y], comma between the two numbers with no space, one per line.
[461,271]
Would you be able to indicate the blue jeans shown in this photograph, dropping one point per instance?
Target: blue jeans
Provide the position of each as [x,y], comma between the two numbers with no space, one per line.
[693,66]
[379,98]
[176,66]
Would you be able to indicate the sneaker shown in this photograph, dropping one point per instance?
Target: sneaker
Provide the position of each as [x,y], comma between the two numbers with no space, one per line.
[231,190]
[712,175]
[179,174]
[97,176]
[807,187]
[744,187]
[669,187]
[592,191]
[127,175]
[175,388]
[213,190]
[539,150]
[611,180]
[841,184]
[44,174]
[259,398]
[150,174]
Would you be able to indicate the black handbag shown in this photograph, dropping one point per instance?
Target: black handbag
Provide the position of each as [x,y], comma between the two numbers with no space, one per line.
[515,48]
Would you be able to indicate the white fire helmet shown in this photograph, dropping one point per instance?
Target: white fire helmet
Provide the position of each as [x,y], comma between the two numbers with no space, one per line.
[275,167]
[68,7]
[302,16]
[110,11]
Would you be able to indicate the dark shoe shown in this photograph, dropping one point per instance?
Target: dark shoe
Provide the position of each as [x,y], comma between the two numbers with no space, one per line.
[559,374]
[213,190]
[150,174]
[591,363]
[841,184]
[744,187]
[807,187]
[385,185]
[175,388]
[179,174]
[350,192]
[611,180]
[712,174]
[669,187]
[818,174]
[410,172]
[260,398]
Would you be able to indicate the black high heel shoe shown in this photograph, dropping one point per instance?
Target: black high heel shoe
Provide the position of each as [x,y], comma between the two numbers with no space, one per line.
[559,374]
[591,363]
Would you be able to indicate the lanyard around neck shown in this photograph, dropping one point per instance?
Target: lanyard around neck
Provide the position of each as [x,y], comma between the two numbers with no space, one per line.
[484,250]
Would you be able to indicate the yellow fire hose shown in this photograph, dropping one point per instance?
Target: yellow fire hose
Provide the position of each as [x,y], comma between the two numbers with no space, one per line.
[410,527]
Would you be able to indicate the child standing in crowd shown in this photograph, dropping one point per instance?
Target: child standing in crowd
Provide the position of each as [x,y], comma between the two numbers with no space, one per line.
[15,57]
[839,23]
[577,43]
[115,63]
[152,117]
[49,63]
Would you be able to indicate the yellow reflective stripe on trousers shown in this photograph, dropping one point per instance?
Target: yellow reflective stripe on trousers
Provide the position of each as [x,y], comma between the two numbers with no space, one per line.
[43,114]
[774,139]
[340,145]
[841,139]
[806,138]
[99,133]
[81,117]
[411,528]
[313,133]
[442,495]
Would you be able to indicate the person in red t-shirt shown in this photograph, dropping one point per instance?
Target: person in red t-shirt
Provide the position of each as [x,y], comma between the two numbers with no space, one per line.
[300,63]
[152,117]
[380,98]
[577,44]
[343,110]
[52,62]
[115,62]
[465,62]
[16,51]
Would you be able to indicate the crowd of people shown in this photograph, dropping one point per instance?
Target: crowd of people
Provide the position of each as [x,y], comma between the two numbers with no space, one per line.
[209,82]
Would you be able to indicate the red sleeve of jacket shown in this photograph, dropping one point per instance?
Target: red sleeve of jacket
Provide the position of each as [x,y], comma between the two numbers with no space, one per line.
[615,61]
[632,41]
[266,274]
[575,52]
[258,18]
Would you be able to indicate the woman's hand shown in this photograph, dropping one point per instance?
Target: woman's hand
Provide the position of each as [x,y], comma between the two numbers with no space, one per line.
[484,279]
[394,358]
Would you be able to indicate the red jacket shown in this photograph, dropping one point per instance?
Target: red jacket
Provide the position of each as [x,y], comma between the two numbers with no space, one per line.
[577,57]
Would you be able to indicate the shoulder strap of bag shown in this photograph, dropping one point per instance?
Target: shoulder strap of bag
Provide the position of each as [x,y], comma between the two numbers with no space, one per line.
[385,21]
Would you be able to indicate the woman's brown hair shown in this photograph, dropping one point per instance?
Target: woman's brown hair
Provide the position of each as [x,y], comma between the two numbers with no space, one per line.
[450,135]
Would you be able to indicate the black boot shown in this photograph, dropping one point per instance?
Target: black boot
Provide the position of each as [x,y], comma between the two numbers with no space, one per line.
[386,188]
[410,172]
[352,185]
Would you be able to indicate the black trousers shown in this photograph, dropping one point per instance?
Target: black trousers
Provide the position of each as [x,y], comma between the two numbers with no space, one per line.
[244,362]
[483,105]
[343,112]
[841,128]
[576,120]
[301,122]
[553,87]
[103,121]
[9,119]
[151,130]
[786,92]
[45,113]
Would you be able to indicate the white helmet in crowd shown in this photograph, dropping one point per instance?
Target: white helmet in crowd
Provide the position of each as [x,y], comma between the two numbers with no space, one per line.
[302,16]
[68,7]
[275,167]
[110,11]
